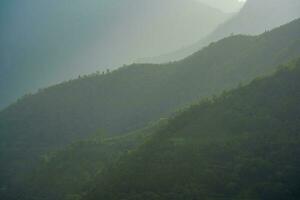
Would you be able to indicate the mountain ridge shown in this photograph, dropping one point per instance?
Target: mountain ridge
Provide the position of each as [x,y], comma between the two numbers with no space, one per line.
[254,18]
[49,41]
[243,144]
[59,115]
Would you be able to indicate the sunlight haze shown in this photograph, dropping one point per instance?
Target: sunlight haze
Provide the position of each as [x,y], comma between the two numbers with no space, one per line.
[225,5]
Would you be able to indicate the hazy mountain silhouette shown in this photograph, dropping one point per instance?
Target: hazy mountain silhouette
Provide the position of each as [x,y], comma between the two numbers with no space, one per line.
[257,16]
[132,96]
[44,42]
[229,6]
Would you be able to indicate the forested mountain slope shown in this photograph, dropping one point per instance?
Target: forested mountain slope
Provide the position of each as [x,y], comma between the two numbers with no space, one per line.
[256,17]
[244,144]
[46,42]
[132,96]
[66,173]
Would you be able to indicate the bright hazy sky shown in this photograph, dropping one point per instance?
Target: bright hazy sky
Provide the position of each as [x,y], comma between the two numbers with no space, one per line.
[225,5]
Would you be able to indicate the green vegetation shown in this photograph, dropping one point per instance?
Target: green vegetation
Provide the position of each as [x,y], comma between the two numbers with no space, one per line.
[242,145]
[129,98]
[64,174]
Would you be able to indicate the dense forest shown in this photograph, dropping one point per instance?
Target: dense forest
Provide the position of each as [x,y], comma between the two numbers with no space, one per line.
[65,173]
[131,97]
[243,144]
[119,117]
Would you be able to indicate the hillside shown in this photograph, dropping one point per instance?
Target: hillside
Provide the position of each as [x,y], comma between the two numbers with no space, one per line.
[46,42]
[130,97]
[66,173]
[244,144]
[254,18]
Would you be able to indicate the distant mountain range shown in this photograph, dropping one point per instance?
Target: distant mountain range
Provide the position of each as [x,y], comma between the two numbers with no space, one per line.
[129,98]
[46,42]
[257,16]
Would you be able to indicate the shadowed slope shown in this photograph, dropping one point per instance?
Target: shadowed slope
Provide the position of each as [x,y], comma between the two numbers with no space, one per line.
[243,145]
[131,97]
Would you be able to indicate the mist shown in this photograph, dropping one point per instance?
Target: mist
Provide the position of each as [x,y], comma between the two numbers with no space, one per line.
[49,41]
[149,99]
[229,6]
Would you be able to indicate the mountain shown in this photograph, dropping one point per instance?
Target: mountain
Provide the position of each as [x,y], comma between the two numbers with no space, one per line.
[129,98]
[255,17]
[46,42]
[244,144]
[54,177]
